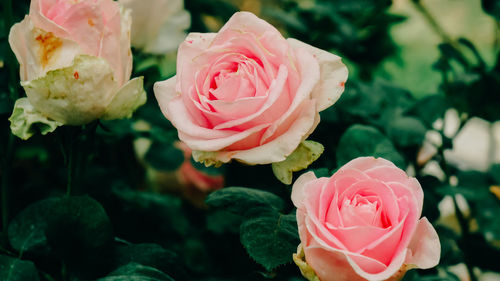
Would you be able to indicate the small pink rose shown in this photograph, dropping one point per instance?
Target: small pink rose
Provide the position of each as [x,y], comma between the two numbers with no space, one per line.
[363,223]
[247,93]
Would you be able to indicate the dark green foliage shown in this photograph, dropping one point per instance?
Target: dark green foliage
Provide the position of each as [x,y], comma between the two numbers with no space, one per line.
[136,272]
[27,231]
[164,156]
[128,216]
[361,140]
[270,238]
[244,201]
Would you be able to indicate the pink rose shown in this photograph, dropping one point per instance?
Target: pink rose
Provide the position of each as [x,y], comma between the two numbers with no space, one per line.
[247,93]
[76,61]
[363,223]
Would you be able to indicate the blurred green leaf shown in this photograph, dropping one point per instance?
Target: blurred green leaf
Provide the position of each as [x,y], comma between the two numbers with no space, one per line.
[136,272]
[270,239]
[152,255]
[164,156]
[406,131]
[12,269]
[27,230]
[244,201]
[429,109]
[148,216]
[80,232]
[360,140]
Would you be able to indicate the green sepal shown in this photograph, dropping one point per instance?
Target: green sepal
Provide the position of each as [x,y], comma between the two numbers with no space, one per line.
[306,153]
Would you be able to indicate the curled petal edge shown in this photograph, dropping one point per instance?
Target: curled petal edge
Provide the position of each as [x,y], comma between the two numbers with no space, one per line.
[25,120]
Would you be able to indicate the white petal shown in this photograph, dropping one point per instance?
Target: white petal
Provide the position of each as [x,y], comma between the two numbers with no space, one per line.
[74,95]
[25,120]
[130,97]
[298,189]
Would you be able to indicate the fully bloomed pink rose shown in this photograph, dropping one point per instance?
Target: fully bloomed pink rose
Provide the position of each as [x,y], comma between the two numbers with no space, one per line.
[75,60]
[363,223]
[247,93]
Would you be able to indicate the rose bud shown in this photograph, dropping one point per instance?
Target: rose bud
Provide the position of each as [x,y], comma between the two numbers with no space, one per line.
[75,63]
[157,25]
[362,223]
[247,93]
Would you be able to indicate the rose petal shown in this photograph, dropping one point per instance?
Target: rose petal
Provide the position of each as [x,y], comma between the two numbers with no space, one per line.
[278,149]
[299,188]
[309,72]
[333,74]
[425,248]
[364,163]
[373,187]
[38,51]
[74,95]
[357,238]
[164,92]
[38,9]
[128,98]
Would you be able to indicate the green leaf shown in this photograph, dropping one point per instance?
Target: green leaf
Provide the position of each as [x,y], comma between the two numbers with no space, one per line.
[27,230]
[164,156]
[360,140]
[80,232]
[151,215]
[136,272]
[244,201]
[407,131]
[306,153]
[270,239]
[12,269]
[152,255]
[25,120]
[222,221]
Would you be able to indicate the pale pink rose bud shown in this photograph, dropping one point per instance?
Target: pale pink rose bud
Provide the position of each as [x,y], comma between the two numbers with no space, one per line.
[75,60]
[247,93]
[363,223]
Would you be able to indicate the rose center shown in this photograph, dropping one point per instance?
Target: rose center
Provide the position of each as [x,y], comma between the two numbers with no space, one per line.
[231,84]
[361,210]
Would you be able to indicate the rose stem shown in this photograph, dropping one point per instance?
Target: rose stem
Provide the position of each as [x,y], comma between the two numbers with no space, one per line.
[71,166]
